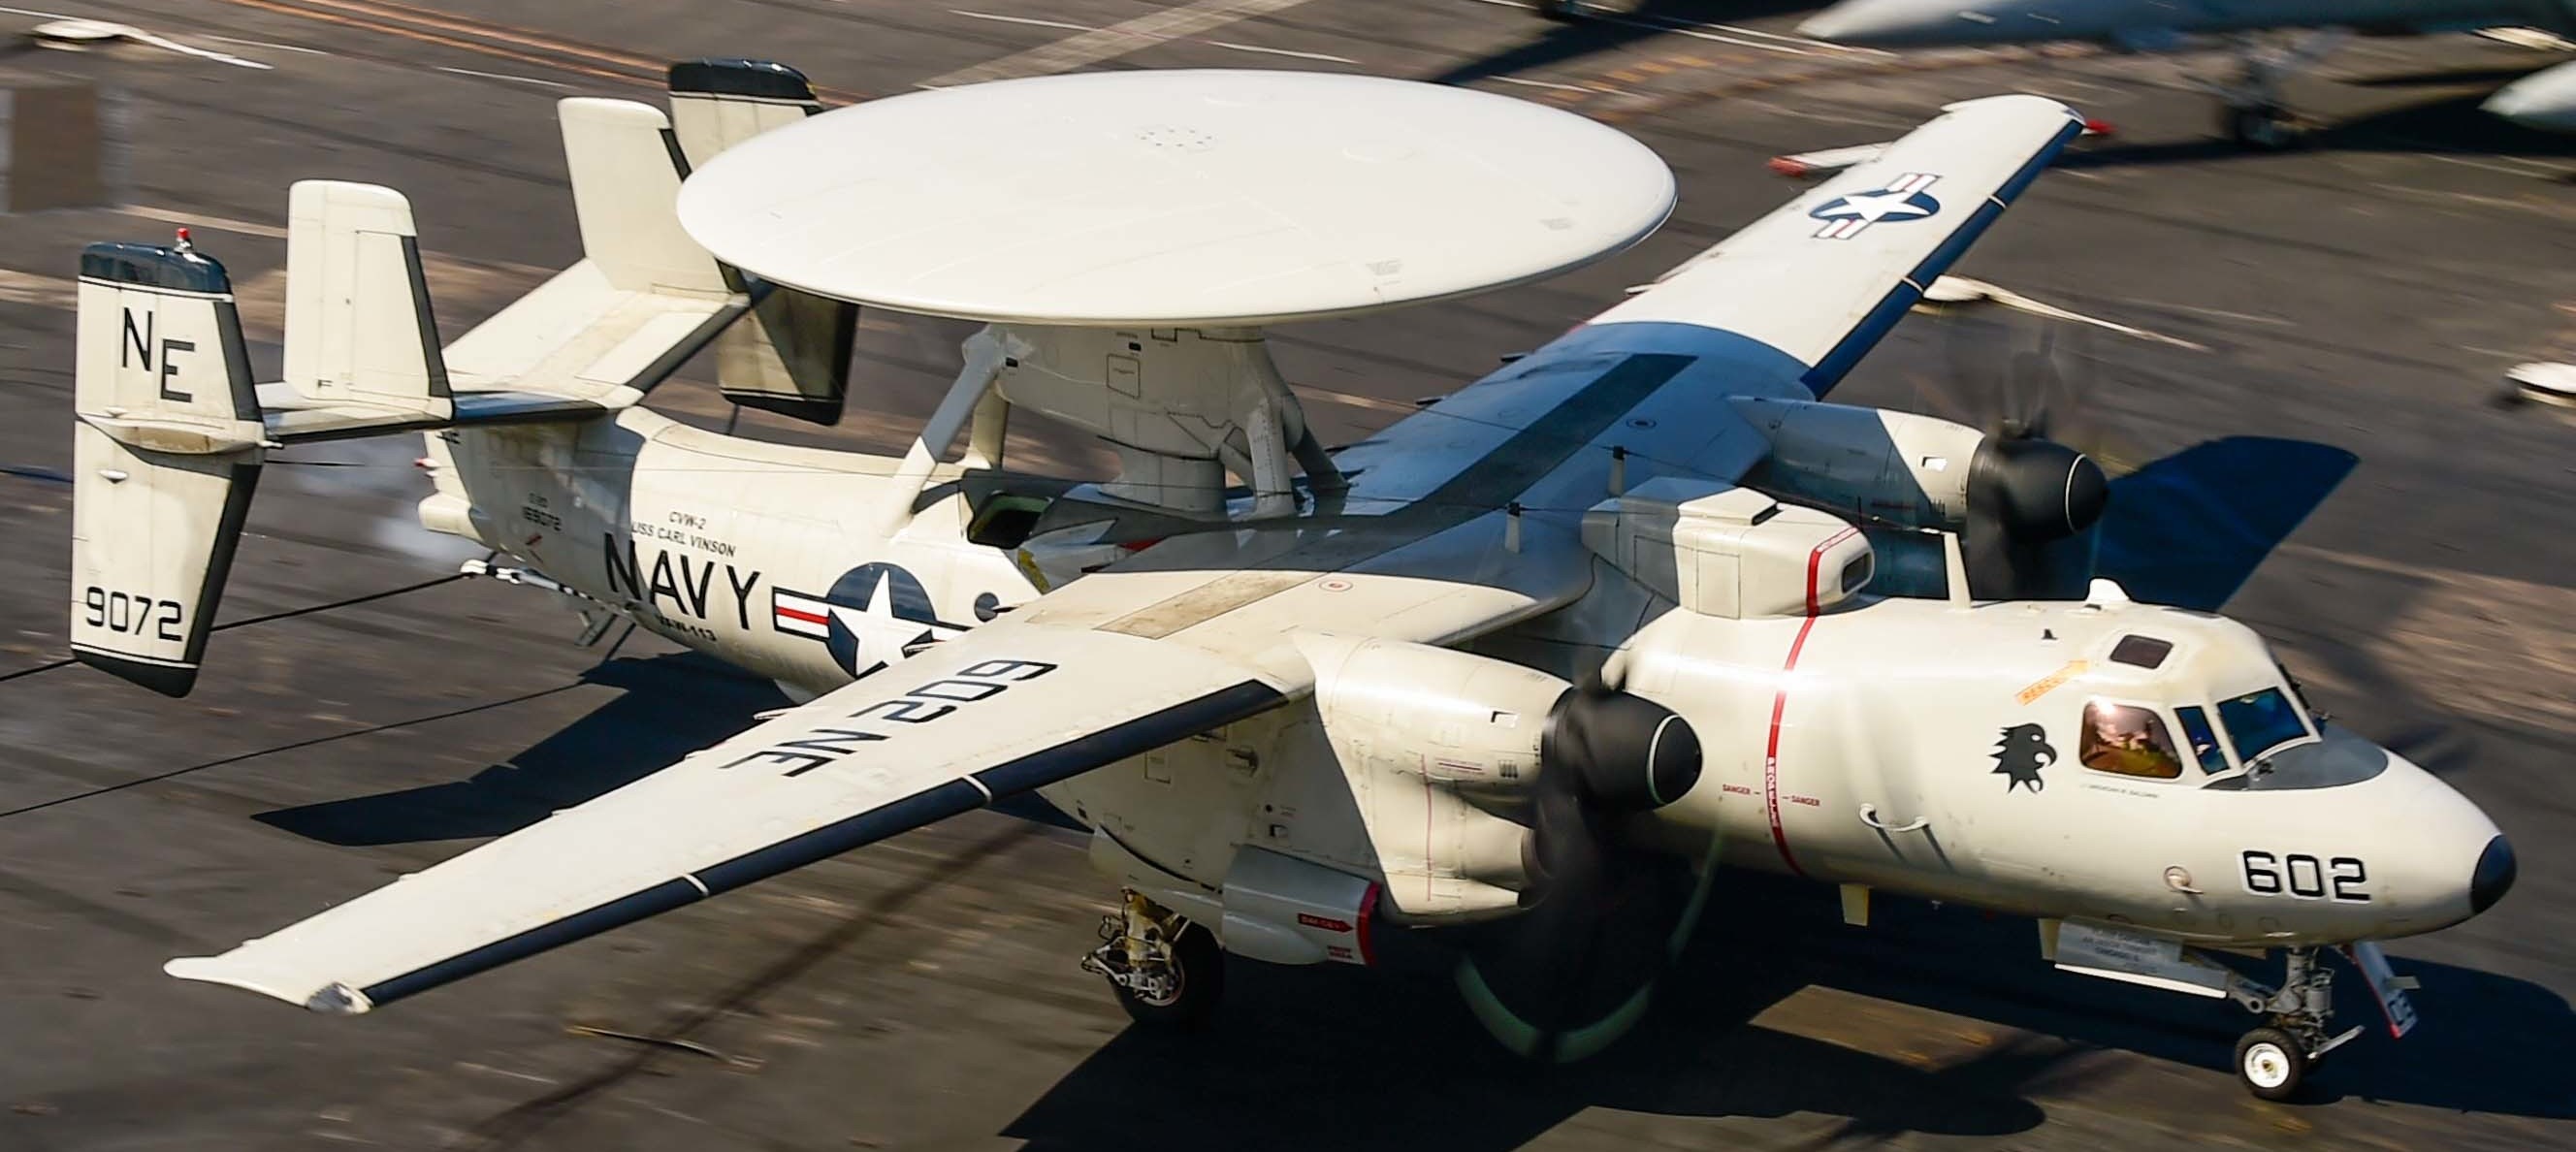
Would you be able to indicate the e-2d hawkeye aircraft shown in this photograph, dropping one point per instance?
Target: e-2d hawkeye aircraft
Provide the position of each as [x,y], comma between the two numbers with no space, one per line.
[2254,111]
[1539,658]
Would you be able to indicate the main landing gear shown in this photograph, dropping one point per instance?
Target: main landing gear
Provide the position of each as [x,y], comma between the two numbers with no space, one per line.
[2273,1060]
[1168,973]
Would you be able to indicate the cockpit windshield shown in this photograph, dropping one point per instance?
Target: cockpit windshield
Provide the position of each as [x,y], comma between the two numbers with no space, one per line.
[2259,722]
[2204,740]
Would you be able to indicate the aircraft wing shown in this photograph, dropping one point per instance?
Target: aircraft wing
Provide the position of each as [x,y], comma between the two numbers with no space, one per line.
[1000,711]
[1824,277]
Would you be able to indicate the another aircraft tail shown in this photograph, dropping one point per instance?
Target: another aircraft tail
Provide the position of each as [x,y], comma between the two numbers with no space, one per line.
[171,427]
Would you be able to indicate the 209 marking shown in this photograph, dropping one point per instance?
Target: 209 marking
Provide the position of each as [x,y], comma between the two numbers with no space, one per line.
[2300,876]
[821,746]
[132,614]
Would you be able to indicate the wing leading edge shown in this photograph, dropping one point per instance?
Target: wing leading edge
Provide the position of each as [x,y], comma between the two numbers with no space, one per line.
[996,713]
[1825,276]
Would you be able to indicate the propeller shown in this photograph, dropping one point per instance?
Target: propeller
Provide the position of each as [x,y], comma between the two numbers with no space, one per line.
[2036,488]
[1605,916]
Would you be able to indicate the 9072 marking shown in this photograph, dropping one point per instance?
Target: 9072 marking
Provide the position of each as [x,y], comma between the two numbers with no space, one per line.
[133,615]
[2301,876]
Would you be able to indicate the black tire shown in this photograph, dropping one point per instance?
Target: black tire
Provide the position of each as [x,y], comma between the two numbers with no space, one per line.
[1201,967]
[2271,1063]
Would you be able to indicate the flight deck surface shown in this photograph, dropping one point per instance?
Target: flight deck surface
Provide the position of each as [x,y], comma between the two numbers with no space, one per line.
[2366,293]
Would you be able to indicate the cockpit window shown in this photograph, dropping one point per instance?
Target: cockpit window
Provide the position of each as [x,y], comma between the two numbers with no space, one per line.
[2127,740]
[2141,651]
[2259,722]
[2204,739]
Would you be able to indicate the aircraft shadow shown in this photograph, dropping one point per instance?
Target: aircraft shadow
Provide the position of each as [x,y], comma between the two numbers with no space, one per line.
[1556,42]
[673,705]
[2191,528]
[2491,77]
[2454,125]
[2484,1043]
[1337,1058]
[1331,1057]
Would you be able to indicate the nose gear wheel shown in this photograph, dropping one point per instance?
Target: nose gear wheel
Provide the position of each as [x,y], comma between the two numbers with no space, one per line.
[2273,1060]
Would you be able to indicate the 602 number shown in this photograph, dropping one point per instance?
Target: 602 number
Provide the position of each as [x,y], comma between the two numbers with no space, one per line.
[133,615]
[2301,876]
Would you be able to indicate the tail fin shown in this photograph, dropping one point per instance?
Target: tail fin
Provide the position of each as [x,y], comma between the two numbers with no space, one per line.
[644,297]
[362,354]
[165,454]
[171,427]
[793,355]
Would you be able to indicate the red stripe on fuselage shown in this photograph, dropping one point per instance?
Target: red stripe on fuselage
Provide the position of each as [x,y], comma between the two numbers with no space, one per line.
[1780,703]
[801,614]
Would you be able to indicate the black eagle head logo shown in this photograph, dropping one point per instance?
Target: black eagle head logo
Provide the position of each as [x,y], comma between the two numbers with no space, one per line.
[2020,752]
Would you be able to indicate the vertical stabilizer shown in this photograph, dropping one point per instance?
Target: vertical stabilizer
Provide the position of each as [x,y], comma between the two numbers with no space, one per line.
[625,180]
[164,456]
[358,324]
[793,355]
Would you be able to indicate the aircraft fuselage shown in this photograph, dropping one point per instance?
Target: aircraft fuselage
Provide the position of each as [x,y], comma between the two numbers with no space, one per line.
[1916,746]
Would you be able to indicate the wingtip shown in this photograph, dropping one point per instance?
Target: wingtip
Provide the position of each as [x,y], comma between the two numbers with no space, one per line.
[334,999]
[2018,99]
[338,999]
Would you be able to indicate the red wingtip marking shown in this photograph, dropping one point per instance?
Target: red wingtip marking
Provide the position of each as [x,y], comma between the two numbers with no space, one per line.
[1787,166]
[2099,128]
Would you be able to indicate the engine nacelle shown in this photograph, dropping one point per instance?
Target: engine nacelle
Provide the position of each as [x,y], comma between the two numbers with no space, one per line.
[1441,748]
[1891,466]
[1922,472]
[1719,550]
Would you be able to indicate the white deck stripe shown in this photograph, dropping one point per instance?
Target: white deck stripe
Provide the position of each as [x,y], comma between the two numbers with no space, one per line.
[1282,52]
[1020,20]
[1113,41]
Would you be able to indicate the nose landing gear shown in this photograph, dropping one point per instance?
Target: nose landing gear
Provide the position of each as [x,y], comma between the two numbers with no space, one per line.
[2273,1060]
[1167,972]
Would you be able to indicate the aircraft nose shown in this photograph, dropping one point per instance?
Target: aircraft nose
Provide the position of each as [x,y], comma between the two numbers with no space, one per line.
[1874,21]
[2493,876]
[2510,102]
